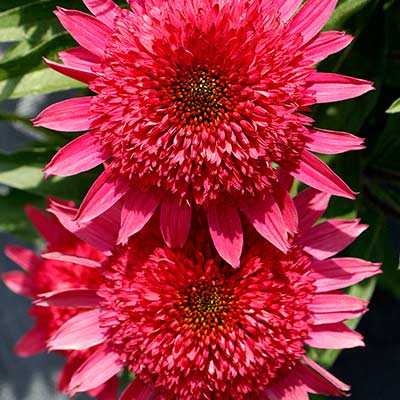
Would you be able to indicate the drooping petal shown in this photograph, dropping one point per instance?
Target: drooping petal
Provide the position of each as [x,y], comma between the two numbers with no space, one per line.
[330,87]
[287,207]
[88,31]
[328,238]
[82,74]
[287,8]
[79,155]
[104,10]
[70,115]
[288,388]
[330,308]
[79,333]
[19,283]
[226,232]
[55,255]
[137,390]
[76,298]
[107,390]
[175,222]
[138,207]
[333,336]
[330,142]
[315,173]
[103,194]
[78,57]
[285,180]
[25,258]
[32,343]
[99,368]
[266,217]
[325,44]
[100,233]
[310,204]
[339,273]
[312,17]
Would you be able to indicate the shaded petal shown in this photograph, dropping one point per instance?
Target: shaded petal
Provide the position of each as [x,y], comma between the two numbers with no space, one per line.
[80,58]
[312,17]
[100,233]
[84,75]
[266,217]
[99,368]
[338,273]
[175,222]
[325,44]
[76,298]
[79,333]
[328,238]
[311,205]
[32,343]
[25,258]
[226,232]
[137,390]
[106,391]
[314,172]
[79,155]
[104,10]
[287,207]
[138,207]
[330,87]
[70,115]
[330,142]
[104,193]
[333,336]
[19,283]
[284,179]
[73,362]
[288,388]
[89,32]
[287,8]
[55,255]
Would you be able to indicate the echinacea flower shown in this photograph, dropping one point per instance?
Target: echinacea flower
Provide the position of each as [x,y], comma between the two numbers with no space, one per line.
[191,327]
[195,103]
[45,274]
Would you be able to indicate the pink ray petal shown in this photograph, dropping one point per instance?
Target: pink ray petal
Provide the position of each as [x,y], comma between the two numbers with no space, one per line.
[175,222]
[328,238]
[55,255]
[84,75]
[79,155]
[330,142]
[88,31]
[287,8]
[58,115]
[100,233]
[311,205]
[226,232]
[288,388]
[25,258]
[32,343]
[76,298]
[138,207]
[287,207]
[103,194]
[137,390]
[338,273]
[284,179]
[19,283]
[326,375]
[78,57]
[330,87]
[325,44]
[266,217]
[99,368]
[330,308]
[107,390]
[79,333]
[72,363]
[104,10]
[333,336]
[315,173]
[312,17]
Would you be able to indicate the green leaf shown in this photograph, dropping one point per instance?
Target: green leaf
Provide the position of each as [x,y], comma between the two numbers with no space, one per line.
[395,107]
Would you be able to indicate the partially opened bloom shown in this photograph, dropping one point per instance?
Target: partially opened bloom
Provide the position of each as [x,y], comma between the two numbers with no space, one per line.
[194,105]
[192,327]
[44,274]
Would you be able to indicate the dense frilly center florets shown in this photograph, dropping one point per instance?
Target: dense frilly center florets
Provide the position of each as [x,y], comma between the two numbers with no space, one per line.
[196,328]
[198,100]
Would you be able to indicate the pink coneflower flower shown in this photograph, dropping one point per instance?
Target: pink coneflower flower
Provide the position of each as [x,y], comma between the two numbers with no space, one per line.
[191,327]
[63,267]
[194,105]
